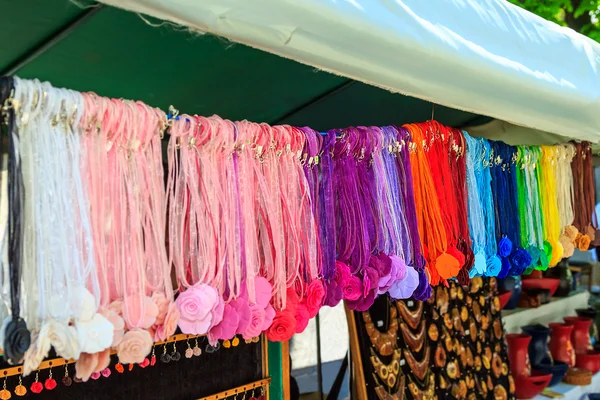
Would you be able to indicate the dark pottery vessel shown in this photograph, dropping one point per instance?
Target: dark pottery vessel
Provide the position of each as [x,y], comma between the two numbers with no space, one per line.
[539,354]
[533,298]
[576,280]
[511,284]
[562,272]
[558,371]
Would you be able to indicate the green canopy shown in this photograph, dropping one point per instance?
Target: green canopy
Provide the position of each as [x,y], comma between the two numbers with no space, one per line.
[116,53]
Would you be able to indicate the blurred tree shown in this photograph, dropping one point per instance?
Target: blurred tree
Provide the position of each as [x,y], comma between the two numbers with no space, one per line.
[579,15]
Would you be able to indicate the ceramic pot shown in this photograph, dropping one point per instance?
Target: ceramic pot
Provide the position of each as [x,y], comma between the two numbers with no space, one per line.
[511,284]
[518,354]
[558,370]
[562,272]
[560,344]
[539,354]
[527,387]
[591,313]
[580,337]
[589,359]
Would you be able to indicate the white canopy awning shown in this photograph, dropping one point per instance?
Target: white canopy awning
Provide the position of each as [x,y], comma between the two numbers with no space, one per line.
[484,56]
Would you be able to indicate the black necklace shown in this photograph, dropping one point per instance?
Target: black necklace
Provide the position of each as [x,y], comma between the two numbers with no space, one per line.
[16,335]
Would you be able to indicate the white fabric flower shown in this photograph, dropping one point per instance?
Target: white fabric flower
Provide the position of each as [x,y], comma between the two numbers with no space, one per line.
[64,339]
[94,335]
[38,350]
[84,306]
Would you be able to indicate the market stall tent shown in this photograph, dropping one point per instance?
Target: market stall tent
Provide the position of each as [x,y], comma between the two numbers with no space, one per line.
[117,54]
[484,56]
[480,59]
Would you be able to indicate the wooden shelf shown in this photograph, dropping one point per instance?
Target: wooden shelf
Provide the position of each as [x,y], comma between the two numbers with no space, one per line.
[554,311]
[57,362]
[239,390]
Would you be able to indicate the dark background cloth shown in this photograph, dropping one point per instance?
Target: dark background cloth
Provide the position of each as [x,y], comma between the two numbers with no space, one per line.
[189,378]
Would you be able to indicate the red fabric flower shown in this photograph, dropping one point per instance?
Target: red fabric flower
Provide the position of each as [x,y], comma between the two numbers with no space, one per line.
[302,318]
[292,300]
[283,327]
[315,295]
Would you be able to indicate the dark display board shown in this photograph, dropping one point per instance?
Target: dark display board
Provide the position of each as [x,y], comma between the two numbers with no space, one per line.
[186,379]
[450,347]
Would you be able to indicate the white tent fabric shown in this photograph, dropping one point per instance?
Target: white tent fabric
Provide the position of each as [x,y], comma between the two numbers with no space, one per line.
[484,56]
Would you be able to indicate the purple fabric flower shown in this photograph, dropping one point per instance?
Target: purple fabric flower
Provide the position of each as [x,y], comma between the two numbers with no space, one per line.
[423,291]
[333,294]
[397,272]
[404,288]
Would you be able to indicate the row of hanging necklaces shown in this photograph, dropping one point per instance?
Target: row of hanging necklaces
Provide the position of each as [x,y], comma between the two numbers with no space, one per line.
[263,225]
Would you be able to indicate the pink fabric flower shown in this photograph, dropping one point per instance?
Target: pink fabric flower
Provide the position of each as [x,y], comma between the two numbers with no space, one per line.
[169,325]
[269,316]
[117,307]
[367,298]
[162,303]
[226,328]
[217,311]
[302,318]
[342,273]
[353,289]
[131,310]
[263,291]
[135,346]
[117,322]
[196,306]
[257,320]
[315,294]
[244,314]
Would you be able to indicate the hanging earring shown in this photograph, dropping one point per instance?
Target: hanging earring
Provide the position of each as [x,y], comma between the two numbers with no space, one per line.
[175,355]
[165,358]
[197,350]
[144,363]
[66,380]
[37,387]
[211,349]
[253,395]
[235,342]
[50,383]
[189,353]
[119,368]
[20,390]
[5,394]
[262,393]
[153,358]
